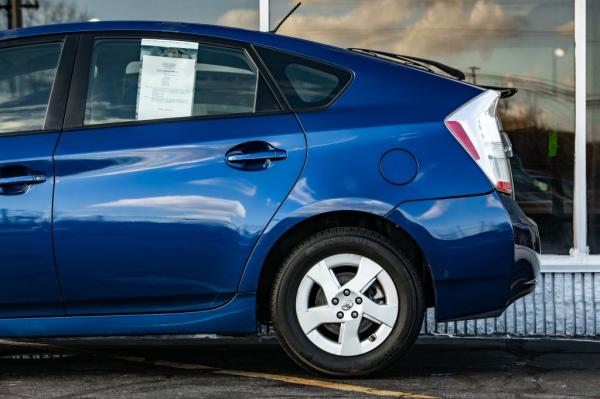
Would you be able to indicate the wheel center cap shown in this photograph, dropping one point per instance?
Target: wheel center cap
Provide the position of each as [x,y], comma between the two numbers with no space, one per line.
[347,304]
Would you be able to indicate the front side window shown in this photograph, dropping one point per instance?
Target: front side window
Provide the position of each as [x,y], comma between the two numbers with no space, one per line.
[150,79]
[26,78]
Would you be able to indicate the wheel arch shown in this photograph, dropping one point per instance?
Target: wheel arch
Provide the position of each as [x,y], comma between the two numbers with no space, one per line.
[291,237]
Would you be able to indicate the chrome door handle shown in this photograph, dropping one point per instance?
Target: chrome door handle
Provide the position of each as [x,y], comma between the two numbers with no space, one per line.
[257,156]
[26,179]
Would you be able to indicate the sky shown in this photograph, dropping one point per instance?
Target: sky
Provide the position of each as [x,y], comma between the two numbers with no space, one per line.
[200,11]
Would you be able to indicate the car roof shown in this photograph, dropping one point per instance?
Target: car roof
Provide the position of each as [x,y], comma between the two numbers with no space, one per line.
[335,55]
[105,26]
[262,38]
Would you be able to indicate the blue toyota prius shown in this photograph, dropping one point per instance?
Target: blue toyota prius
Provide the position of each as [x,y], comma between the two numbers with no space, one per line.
[164,178]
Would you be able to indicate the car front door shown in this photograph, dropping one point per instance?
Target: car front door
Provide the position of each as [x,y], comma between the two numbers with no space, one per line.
[175,155]
[34,75]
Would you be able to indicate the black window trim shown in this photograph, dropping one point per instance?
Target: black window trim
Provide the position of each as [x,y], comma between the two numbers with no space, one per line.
[55,112]
[75,110]
[341,91]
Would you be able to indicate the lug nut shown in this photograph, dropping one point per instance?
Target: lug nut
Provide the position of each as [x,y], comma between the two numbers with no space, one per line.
[354,314]
[346,292]
[340,315]
[359,300]
[335,301]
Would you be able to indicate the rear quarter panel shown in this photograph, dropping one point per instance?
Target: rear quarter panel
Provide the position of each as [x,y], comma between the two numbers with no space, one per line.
[387,106]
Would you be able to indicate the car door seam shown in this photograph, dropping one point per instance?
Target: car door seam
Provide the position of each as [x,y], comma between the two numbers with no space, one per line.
[53,162]
[261,235]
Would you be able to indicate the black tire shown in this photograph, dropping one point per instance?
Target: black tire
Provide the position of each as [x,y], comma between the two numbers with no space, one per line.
[361,242]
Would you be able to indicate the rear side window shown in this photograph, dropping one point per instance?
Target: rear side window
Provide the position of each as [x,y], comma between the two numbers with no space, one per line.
[26,78]
[150,79]
[306,84]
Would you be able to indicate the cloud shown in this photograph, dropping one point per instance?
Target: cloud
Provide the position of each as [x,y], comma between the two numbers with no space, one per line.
[567,29]
[240,18]
[302,193]
[243,187]
[406,26]
[195,207]
[438,209]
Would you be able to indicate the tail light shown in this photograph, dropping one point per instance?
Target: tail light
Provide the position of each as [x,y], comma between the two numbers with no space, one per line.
[477,128]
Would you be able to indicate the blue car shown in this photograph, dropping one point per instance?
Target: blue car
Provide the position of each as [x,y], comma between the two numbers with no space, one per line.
[165,178]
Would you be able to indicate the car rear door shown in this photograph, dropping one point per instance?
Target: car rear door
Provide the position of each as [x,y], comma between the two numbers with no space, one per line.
[165,180]
[34,78]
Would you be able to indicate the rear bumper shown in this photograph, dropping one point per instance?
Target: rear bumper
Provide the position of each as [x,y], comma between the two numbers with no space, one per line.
[526,268]
[482,252]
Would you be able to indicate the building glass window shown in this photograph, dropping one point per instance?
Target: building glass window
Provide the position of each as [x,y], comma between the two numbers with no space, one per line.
[238,13]
[593,124]
[527,44]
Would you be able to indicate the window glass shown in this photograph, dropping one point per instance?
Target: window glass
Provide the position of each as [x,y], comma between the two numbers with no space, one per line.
[311,85]
[26,78]
[133,79]
[528,44]
[593,124]
[305,83]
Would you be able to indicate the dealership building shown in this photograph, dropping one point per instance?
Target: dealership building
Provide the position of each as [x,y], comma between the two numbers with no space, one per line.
[548,49]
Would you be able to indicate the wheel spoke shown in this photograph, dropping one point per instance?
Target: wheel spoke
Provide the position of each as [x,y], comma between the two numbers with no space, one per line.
[384,314]
[314,317]
[366,274]
[348,338]
[345,306]
[322,275]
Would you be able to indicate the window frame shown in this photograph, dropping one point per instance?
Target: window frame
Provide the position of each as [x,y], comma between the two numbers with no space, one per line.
[75,111]
[57,101]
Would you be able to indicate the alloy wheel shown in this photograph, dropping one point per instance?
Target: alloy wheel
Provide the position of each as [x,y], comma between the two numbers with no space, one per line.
[347,304]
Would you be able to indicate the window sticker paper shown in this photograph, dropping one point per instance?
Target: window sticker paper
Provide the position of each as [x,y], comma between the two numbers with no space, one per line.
[167,79]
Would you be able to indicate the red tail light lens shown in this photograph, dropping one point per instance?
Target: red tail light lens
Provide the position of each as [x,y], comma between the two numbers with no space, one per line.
[463,138]
[505,186]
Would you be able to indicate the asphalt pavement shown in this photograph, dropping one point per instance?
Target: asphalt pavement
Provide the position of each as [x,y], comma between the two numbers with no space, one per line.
[208,367]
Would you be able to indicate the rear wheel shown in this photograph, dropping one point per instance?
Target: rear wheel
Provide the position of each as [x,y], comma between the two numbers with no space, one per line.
[347,303]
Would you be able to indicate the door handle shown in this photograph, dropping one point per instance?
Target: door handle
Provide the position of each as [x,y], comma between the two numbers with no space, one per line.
[272,155]
[254,156]
[26,179]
